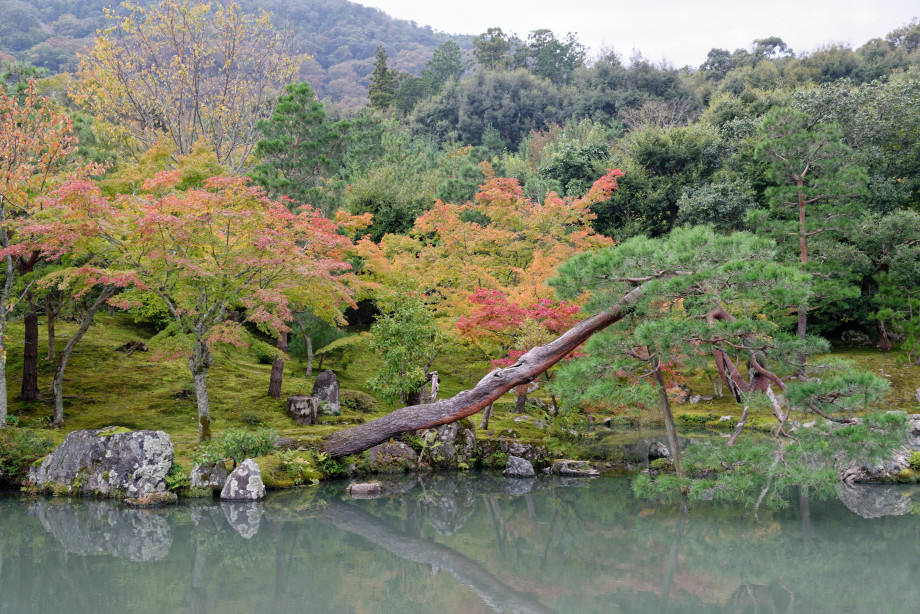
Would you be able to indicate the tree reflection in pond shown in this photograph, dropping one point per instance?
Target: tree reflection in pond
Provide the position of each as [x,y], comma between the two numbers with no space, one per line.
[467,543]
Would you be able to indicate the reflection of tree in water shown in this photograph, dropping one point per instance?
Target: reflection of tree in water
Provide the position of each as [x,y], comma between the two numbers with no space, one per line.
[587,549]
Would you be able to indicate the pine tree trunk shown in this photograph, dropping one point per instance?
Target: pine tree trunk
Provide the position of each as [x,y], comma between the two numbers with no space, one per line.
[3,393]
[29,391]
[464,404]
[199,364]
[882,341]
[673,442]
[309,356]
[485,417]
[58,383]
[274,383]
[520,407]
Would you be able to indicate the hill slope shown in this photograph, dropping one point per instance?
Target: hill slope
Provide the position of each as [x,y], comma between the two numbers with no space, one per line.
[341,37]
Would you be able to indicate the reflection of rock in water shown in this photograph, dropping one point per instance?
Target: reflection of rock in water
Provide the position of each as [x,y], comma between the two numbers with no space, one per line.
[450,502]
[872,501]
[518,486]
[99,528]
[207,518]
[757,598]
[244,516]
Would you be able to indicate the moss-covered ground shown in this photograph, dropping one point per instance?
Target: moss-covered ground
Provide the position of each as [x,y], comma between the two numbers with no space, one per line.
[106,387]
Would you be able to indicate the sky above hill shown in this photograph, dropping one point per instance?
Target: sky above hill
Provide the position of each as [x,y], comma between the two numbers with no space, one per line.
[679,31]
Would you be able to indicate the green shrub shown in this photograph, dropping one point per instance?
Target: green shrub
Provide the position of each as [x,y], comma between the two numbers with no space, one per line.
[176,478]
[264,358]
[357,401]
[19,448]
[240,444]
[914,460]
[252,418]
[236,445]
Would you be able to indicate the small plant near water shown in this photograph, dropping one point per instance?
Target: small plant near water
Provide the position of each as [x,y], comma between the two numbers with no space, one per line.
[19,448]
[914,460]
[177,478]
[236,445]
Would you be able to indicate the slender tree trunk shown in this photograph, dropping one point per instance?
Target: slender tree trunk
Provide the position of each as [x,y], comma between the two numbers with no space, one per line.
[666,410]
[199,364]
[529,366]
[58,383]
[485,417]
[274,382]
[802,327]
[51,313]
[309,355]
[29,391]
[3,393]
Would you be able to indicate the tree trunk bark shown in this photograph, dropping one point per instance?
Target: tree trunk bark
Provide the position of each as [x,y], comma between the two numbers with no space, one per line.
[274,382]
[520,407]
[199,364]
[29,391]
[485,417]
[882,341]
[309,355]
[491,387]
[51,313]
[58,383]
[3,394]
[666,411]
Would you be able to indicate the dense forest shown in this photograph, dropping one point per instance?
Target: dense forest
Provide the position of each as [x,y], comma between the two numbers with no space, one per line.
[408,195]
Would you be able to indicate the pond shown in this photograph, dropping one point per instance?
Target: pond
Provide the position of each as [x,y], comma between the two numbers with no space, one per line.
[464,543]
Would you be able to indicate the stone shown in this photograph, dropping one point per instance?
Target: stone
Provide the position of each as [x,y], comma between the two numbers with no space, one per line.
[657,450]
[210,476]
[518,467]
[244,516]
[326,393]
[449,445]
[695,399]
[682,394]
[856,337]
[917,394]
[889,469]
[244,483]
[366,490]
[302,409]
[573,468]
[107,462]
[392,457]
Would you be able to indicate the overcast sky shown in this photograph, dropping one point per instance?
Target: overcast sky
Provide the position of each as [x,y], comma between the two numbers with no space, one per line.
[679,31]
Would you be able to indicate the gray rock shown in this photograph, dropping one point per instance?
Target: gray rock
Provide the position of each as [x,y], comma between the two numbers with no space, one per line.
[366,490]
[856,337]
[302,409]
[450,444]
[657,450]
[210,476]
[326,393]
[573,468]
[874,501]
[244,483]
[392,457]
[107,463]
[518,467]
[244,516]
[887,470]
[94,528]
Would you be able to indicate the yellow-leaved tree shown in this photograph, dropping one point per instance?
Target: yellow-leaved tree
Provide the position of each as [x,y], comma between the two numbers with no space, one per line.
[189,71]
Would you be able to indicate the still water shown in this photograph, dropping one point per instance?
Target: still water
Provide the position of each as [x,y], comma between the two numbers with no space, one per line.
[468,543]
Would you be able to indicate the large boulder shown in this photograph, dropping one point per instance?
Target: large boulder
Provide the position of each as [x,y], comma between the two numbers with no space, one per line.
[518,467]
[887,470]
[244,483]
[875,501]
[302,409]
[208,477]
[450,445]
[107,462]
[244,516]
[326,393]
[391,457]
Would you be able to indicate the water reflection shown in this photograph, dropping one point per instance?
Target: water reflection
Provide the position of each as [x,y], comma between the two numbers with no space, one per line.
[473,544]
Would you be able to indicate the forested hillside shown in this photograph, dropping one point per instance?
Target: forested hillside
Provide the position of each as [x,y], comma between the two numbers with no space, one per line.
[340,36]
